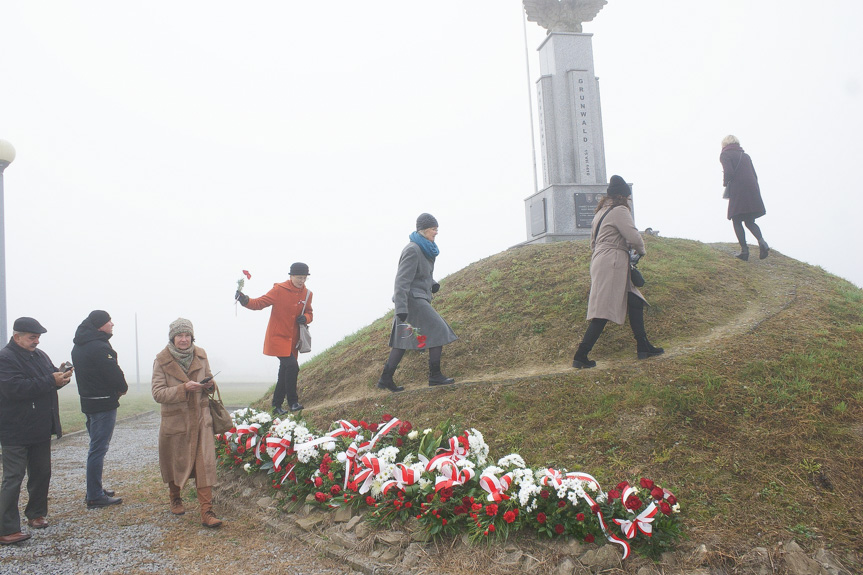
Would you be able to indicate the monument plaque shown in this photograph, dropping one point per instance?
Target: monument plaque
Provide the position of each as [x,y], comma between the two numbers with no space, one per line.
[585,207]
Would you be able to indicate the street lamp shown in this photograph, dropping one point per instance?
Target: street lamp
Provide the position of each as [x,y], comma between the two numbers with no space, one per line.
[7,154]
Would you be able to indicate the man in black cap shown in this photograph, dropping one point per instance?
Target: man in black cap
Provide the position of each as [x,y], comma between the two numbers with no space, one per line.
[292,307]
[29,416]
[100,384]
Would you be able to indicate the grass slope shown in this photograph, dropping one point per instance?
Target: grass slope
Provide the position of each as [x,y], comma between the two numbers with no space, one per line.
[753,416]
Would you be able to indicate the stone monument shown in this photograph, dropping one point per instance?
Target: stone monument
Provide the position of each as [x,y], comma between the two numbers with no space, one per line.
[570,124]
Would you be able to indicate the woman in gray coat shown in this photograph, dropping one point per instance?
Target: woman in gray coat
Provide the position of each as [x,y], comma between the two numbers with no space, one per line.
[744,195]
[416,324]
[611,290]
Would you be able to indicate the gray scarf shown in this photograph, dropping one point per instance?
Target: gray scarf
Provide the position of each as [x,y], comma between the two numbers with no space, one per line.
[184,358]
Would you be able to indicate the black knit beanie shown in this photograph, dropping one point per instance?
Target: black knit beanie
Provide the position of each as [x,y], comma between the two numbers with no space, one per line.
[425,221]
[617,186]
[98,318]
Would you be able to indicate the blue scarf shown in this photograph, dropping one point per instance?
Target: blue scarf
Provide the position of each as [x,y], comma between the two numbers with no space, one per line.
[429,248]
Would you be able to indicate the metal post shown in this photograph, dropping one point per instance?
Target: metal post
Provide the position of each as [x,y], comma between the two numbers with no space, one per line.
[3,321]
[137,364]
[529,100]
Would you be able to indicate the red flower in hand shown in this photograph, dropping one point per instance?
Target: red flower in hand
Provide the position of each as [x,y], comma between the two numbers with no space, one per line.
[421,341]
[247,274]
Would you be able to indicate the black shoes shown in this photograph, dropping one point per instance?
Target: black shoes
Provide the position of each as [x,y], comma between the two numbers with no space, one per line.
[763,249]
[744,254]
[386,380]
[581,362]
[646,350]
[296,406]
[104,501]
[279,410]
[436,377]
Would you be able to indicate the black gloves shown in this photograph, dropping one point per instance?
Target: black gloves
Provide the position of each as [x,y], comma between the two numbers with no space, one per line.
[242,298]
[402,317]
[301,319]
[435,287]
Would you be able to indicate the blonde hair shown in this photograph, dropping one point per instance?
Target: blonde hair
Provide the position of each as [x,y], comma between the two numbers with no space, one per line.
[729,139]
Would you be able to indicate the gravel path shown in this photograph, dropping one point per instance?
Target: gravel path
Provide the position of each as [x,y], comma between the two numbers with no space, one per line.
[141,536]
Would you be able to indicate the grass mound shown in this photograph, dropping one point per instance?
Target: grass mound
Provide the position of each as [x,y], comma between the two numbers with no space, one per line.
[752,417]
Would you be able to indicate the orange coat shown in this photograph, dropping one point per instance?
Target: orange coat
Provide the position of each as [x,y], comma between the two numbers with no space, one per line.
[283,333]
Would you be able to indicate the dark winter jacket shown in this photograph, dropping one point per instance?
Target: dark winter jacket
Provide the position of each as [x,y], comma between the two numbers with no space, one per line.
[738,174]
[100,380]
[29,412]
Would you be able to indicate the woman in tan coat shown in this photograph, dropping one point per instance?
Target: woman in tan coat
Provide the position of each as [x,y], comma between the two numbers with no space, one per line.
[611,290]
[186,445]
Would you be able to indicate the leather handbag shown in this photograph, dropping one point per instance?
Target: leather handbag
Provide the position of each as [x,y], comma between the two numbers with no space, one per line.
[222,421]
[304,345]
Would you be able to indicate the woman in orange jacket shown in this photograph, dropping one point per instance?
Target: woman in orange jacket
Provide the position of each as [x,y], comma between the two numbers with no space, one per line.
[283,331]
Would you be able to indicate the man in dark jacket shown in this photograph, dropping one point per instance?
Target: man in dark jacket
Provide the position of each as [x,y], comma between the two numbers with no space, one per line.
[100,384]
[29,416]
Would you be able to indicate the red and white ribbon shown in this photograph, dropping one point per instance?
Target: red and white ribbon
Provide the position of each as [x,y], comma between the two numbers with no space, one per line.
[456,452]
[403,475]
[641,523]
[366,475]
[247,430]
[494,486]
[281,447]
[451,475]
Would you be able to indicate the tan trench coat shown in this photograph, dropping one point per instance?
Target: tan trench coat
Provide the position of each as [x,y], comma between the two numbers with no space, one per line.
[186,444]
[609,265]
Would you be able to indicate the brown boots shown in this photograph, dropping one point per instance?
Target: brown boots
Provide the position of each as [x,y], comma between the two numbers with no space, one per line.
[176,499]
[205,499]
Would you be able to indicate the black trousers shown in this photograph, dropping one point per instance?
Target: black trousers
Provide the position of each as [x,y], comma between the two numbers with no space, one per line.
[286,385]
[35,460]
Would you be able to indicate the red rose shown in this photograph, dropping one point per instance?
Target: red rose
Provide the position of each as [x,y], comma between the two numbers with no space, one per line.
[447,492]
[320,497]
[386,418]
[491,510]
[405,428]
[318,481]
[580,517]
[330,476]
[354,422]
[429,497]
[373,427]
[476,506]
[459,510]
[633,503]
[466,500]
[588,538]
[672,500]
[657,493]
[399,442]
[613,494]
[540,517]
[335,489]
[646,483]
[561,504]
[509,516]
[324,468]
[665,507]
[558,529]
[543,494]
[370,501]
[622,486]
[421,341]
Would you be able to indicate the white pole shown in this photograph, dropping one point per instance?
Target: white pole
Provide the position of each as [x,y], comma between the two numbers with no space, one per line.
[137,363]
[529,100]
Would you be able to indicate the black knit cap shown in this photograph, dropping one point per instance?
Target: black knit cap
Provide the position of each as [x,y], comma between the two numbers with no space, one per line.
[426,221]
[617,186]
[98,318]
[28,325]
[299,269]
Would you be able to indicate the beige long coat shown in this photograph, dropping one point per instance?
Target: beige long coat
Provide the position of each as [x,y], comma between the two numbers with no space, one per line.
[609,265]
[186,445]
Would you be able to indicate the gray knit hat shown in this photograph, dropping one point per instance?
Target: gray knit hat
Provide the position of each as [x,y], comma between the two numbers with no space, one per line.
[426,221]
[179,326]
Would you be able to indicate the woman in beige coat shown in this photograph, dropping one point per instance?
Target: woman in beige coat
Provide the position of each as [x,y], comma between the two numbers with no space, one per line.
[611,290]
[186,444]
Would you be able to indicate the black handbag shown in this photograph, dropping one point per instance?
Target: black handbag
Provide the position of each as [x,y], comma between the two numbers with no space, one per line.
[634,275]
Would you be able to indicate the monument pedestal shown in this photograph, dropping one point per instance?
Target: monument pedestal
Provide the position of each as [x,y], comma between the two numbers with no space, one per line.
[572,145]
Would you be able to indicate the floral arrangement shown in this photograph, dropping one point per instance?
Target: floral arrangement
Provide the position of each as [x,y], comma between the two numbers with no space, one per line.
[445,480]
[410,331]
[241,283]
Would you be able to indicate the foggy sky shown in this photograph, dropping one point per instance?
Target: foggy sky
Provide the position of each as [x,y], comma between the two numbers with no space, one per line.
[165,147]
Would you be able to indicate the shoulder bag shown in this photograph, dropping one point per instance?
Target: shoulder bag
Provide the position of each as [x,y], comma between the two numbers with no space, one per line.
[304,345]
[222,421]
[634,275]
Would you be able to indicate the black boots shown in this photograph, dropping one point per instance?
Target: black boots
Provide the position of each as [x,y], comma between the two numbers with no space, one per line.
[763,249]
[744,253]
[594,330]
[580,360]
[435,375]
[386,380]
[646,350]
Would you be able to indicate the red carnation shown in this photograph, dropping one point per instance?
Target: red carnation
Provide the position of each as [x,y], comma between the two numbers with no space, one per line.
[657,493]
[335,489]
[491,510]
[509,516]
[580,517]
[421,341]
[665,507]
[588,538]
[558,529]
[443,521]
[318,481]
[320,497]
[540,517]
[491,528]
[646,483]
[429,497]
[370,501]
[476,506]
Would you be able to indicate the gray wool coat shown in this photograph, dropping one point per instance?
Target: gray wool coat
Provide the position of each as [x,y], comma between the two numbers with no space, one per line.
[609,265]
[413,295]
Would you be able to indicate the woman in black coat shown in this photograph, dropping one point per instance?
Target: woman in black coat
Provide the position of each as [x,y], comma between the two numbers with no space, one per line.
[744,195]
